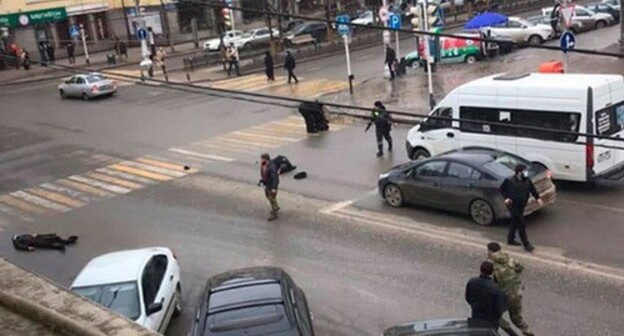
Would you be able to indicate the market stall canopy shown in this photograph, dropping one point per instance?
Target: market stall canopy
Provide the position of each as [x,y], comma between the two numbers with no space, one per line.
[486,19]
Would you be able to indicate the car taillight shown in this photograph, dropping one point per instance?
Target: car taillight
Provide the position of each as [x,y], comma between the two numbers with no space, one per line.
[94,89]
[589,156]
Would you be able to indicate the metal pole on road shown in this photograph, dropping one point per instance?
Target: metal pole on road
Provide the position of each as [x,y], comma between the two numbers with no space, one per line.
[84,43]
[144,51]
[398,46]
[350,75]
[428,52]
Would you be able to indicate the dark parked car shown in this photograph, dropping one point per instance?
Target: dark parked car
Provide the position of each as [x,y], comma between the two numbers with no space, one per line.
[605,8]
[447,327]
[465,180]
[253,301]
[317,30]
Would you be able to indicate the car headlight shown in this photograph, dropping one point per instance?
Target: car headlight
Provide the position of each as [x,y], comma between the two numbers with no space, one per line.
[383,176]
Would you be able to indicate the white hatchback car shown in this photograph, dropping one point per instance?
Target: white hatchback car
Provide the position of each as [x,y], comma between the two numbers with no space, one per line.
[142,285]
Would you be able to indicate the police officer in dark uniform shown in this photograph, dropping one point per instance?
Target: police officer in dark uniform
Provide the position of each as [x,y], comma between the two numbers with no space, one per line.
[383,124]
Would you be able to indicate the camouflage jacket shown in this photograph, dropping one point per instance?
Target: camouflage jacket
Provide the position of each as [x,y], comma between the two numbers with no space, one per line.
[507,273]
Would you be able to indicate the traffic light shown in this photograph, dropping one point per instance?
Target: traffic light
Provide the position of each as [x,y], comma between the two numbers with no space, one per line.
[227,17]
[416,12]
[435,14]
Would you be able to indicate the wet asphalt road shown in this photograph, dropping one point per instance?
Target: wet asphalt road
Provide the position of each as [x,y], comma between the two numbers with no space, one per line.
[388,266]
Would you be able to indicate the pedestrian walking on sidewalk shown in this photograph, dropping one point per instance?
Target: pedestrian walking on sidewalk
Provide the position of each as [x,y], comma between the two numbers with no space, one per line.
[70,52]
[516,191]
[25,59]
[383,124]
[232,57]
[50,51]
[289,65]
[43,53]
[270,178]
[507,276]
[161,56]
[390,60]
[123,51]
[484,297]
[268,66]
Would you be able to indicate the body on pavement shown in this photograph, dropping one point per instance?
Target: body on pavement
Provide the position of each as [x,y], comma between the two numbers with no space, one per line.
[28,242]
[507,275]
[484,297]
[516,191]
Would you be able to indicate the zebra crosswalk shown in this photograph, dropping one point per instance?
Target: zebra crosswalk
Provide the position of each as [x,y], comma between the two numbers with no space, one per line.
[249,142]
[306,89]
[76,191]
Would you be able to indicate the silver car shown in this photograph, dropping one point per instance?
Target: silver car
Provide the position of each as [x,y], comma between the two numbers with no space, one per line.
[587,18]
[87,86]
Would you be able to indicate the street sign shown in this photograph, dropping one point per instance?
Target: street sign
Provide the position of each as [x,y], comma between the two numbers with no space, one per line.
[141,33]
[568,41]
[383,14]
[74,31]
[567,13]
[395,21]
[342,24]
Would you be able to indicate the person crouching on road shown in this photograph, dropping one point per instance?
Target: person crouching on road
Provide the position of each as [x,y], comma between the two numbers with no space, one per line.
[507,275]
[516,191]
[383,124]
[270,179]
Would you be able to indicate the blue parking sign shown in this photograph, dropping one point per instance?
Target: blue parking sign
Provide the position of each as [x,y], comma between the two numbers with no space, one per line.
[342,24]
[394,22]
[74,31]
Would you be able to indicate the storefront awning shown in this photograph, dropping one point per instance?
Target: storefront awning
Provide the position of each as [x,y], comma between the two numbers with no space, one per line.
[86,9]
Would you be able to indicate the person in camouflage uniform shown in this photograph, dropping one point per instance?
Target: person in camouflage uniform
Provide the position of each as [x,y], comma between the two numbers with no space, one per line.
[507,276]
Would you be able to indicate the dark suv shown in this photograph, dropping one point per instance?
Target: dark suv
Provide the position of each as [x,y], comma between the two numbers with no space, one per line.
[445,327]
[253,301]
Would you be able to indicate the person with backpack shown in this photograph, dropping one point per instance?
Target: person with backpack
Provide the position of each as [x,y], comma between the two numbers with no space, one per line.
[383,125]
[507,275]
[270,179]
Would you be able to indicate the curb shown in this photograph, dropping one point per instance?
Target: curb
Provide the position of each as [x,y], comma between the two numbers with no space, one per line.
[46,316]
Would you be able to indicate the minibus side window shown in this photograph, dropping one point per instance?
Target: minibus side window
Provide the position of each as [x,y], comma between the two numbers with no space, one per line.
[482,117]
[610,120]
[433,124]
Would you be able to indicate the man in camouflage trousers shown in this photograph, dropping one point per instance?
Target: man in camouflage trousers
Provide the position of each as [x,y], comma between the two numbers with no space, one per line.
[507,276]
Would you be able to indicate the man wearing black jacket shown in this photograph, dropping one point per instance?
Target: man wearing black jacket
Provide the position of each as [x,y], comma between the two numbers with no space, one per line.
[390,60]
[484,297]
[270,179]
[516,191]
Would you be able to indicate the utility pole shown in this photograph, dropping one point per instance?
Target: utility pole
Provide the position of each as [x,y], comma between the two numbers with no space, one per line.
[425,21]
[621,26]
[265,5]
[84,43]
[165,18]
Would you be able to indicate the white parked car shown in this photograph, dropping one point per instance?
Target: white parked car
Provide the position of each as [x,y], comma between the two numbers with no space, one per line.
[257,37]
[587,18]
[366,18]
[142,285]
[231,36]
[615,3]
[520,30]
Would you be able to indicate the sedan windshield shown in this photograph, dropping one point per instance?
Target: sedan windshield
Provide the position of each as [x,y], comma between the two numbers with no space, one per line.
[122,298]
[505,164]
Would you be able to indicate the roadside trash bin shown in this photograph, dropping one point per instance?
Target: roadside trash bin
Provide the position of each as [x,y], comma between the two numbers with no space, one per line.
[551,67]
[110,59]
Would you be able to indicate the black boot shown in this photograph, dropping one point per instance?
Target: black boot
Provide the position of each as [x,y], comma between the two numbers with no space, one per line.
[390,145]
[380,150]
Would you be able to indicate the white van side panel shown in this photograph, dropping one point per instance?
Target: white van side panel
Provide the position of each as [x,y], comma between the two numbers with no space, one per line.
[605,158]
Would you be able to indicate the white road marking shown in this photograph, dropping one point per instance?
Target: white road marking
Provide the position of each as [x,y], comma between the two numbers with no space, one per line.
[311,69]
[592,205]
[124,175]
[458,238]
[154,169]
[67,191]
[205,156]
[40,201]
[14,213]
[95,183]
[363,57]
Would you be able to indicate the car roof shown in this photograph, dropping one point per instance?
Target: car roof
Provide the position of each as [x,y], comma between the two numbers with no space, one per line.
[245,276]
[429,327]
[565,83]
[115,267]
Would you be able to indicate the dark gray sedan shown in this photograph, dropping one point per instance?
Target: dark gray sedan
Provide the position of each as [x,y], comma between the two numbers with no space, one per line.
[466,181]
[446,327]
[87,86]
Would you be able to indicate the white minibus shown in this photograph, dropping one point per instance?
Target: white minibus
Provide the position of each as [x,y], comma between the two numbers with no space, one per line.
[583,103]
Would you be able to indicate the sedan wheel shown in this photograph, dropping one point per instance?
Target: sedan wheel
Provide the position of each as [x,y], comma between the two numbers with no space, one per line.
[535,40]
[85,96]
[178,302]
[62,94]
[600,24]
[420,154]
[481,212]
[393,195]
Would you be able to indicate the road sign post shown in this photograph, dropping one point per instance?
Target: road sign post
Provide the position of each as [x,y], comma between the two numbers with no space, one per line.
[74,31]
[567,44]
[344,28]
[424,5]
[394,23]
